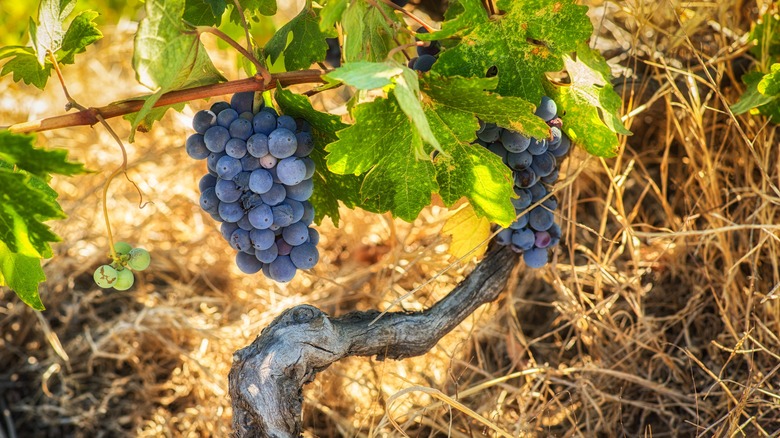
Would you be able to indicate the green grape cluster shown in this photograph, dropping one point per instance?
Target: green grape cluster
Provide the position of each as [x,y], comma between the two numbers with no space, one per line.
[119,274]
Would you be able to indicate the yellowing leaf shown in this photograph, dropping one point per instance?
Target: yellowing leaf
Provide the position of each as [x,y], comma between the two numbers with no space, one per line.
[470,233]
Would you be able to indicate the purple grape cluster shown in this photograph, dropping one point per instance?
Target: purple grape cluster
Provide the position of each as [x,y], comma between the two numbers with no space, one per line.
[426,54]
[534,164]
[258,184]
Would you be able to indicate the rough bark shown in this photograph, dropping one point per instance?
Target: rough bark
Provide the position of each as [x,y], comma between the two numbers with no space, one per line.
[267,377]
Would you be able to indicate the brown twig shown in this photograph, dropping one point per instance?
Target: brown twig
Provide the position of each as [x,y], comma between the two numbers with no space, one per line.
[89,116]
[427,26]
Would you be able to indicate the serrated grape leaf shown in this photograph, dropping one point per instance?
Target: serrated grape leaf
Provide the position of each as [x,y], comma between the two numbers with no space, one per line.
[382,144]
[204,12]
[167,55]
[18,150]
[405,83]
[754,101]
[307,45]
[766,35]
[470,233]
[770,83]
[24,205]
[81,32]
[529,40]
[252,7]
[329,188]
[471,170]
[24,66]
[368,35]
[332,13]
[22,274]
[461,16]
[49,34]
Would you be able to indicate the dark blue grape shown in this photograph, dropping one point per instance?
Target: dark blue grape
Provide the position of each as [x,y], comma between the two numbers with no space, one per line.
[243,101]
[523,200]
[401,3]
[301,191]
[226,117]
[271,111]
[514,141]
[227,229]
[551,178]
[257,145]
[262,239]
[555,138]
[247,116]
[264,122]
[537,192]
[242,180]
[248,264]
[261,217]
[228,167]
[203,120]
[424,63]
[564,147]
[333,55]
[230,211]
[535,258]
[287,123]
[212,160]
[218,107]
[240,241]
[519,161]
[268,255]
[519,223]
[284,247]
[216,138]
[275,195]
[282,143]
[308,213]
[489,133]
[555,234]
[498,149]
[504,237]
[314,236]
[296,233]
[551,203]
[283,215]
[244,223]
[537,147]
[207,181]
[305,144]
[209,201]
[227,191]
[240,128]
[236,148]
[282,269]
[540,219]
[196,147]
[546,109]
[250,163]
[525,178]
[310,167]
[297,208]
[523,239]
[260,181]
[291,171]
[544,164]
[305,256]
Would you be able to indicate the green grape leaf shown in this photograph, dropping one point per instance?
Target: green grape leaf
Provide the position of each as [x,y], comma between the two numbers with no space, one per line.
[167,56]
[329,187]
[49,34]
[368,35]
[523,44]
[154,115]
[22,274]
[307,45]
[471,170]
[770,83]
[251,7]
[766,35]
[204,12]
[18,150]
[332,13]
[382,144]
[754,101]
[82,32]
[404,82]
[24,66]
[471,96]
[467,15]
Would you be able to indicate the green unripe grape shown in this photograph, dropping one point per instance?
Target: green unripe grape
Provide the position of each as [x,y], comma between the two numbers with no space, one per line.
[124,279]
[105,276]
[122,248]
[139,259]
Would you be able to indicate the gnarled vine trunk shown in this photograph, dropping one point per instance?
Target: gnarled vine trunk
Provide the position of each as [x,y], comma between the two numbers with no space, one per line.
[267,377]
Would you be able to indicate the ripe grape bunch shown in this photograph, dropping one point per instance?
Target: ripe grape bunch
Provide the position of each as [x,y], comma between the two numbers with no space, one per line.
[534,163]
[119,274]
[258,184]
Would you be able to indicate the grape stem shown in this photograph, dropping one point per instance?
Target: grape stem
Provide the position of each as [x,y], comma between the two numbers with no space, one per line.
[233,43]
[427,26]
[90,116]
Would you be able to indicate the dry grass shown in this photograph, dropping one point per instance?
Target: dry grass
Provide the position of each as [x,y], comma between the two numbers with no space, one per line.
[659,317]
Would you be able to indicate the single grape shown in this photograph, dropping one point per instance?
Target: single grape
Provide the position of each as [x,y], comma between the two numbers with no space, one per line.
[514,141]
[297,208]
[555,138]
[207,181]
[305,144]
[209,201]
[283,214]
[260,181]
[124,279]
[240,128]
[305,256]
[242,181]
[489,133]
[261,217]
[244,223]
[227,191]
[270,110]
[540,219]
[308,213]
[262,239]
[216,138]
[535,258]
[268,162]
[282,269]
[243,101]
[236,148]
[546,109]
[412,62]
[264,122]
[230,211]
[122,248]
[314,236]
[523,200]
[302,125]
[544,164]
[301,191]
[139,259]
[240,240]
[275,195]
[523,239]
[211,161]
[250,163]
[538,191]
[196,147]
[218,107]
[284,247]
[519,223]
[555,234]
[226,117]
[296,233]
[228,167]
[520,160]
[432,48]
[551,203]
[543,239]
[286,122]
[248,115]
[203,120]
[525,178]
[105,276]
[248,264]
[564,147]
[504,237]
[268,255]
[282,143]
[333,55]
[257,145]
[424,63]
[551,178]
[537,147]
[227,229]
[291,171]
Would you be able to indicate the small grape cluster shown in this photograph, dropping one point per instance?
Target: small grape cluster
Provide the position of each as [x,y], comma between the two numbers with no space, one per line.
[534,164]
[258,184]
[426,54]
[119,274]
